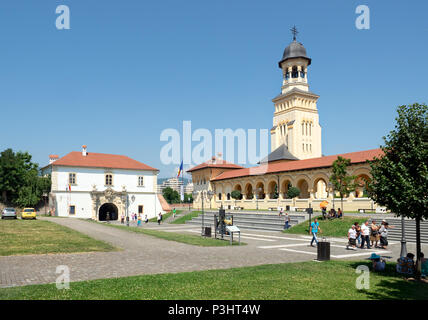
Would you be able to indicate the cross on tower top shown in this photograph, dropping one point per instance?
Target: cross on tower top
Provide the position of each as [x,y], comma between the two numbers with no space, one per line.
[294,32]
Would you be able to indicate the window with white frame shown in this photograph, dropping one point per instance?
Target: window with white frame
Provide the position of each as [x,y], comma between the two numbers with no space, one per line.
[141,181]
[109,179]
[72,178]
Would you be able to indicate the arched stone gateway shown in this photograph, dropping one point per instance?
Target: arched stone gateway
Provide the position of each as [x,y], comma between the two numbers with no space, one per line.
[108,209]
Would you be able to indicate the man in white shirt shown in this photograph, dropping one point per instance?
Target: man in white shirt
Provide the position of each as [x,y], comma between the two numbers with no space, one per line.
[352,236]
[365,235]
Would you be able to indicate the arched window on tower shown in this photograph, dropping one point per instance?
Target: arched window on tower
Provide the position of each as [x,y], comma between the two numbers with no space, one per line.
[302,72]
[294,73]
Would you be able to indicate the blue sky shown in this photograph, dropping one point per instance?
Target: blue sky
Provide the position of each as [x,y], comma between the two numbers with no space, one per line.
[126,70]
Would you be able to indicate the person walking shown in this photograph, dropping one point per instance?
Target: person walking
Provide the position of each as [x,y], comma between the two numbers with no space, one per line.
[122,219]
[173,213]
[315,226]
[287,221]
[139,220]
[159,218]
[146,220]
[365,235]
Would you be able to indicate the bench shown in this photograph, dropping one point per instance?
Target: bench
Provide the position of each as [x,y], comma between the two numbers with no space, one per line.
[301,209]
[273,209]
[238,208]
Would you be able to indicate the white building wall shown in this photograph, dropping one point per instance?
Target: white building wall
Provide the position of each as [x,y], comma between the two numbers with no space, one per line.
[87,178]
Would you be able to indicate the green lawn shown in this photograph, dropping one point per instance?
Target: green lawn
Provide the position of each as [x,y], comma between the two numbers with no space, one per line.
[40,237]
[178,237]
[186,217]
[330,228]
[329,280]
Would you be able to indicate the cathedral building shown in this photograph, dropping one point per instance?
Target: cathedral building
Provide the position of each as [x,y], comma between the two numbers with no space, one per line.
[296,155]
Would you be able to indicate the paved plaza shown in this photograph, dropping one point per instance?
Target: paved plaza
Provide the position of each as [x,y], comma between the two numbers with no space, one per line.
[141,254]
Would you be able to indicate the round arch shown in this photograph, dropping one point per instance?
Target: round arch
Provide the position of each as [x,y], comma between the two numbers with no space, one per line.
[285,185]
[273,189]
[261,193]
[303,186]
[108,212]
[249,191]
[361,181]
[320,188]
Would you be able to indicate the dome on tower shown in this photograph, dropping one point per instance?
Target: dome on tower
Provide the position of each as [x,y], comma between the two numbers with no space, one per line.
[294,50]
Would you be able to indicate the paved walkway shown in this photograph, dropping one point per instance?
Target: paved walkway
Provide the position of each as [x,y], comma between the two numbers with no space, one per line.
[143,254]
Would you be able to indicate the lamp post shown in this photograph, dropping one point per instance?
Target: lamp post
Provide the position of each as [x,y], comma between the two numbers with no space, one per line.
[403,252]
[202,194]
[125,200]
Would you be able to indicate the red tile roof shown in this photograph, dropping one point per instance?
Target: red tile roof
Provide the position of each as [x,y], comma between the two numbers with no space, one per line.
[322,162]
[101,160]
[215,163]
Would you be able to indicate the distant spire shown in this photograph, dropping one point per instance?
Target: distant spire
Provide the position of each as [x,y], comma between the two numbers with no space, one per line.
[294,32]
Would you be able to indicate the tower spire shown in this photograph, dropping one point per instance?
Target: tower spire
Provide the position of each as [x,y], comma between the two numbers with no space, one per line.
[294,32]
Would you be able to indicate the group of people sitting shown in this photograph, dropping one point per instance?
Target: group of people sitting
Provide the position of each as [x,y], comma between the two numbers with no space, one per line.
[332,214]
[405,265]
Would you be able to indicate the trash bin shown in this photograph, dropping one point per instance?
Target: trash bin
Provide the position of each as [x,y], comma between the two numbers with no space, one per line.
[323,251]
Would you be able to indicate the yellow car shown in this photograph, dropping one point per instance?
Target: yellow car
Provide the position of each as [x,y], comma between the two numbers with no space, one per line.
[28,213]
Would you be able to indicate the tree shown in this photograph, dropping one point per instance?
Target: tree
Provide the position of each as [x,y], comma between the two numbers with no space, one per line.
[170,195]
[20,182]
[342,182]
[292,193]
[236,194]
[400,177]
[188,198]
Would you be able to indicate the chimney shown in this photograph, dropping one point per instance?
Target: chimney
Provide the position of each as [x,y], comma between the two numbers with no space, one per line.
[53,158]
[84,153]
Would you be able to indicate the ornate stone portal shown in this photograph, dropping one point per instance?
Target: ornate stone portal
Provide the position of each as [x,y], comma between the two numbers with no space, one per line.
[107,196]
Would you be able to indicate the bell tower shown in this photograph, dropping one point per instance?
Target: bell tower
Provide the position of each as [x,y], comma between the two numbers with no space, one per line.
[295,121]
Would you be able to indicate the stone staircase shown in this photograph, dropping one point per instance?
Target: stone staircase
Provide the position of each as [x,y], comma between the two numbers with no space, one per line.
[257,221]
[409,227]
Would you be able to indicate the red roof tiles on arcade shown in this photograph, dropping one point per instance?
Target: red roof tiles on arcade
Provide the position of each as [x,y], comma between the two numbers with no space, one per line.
[322,162]
[101,160]
[215,163]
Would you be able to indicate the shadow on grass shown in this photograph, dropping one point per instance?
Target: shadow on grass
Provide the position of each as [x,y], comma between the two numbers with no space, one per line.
[392,285]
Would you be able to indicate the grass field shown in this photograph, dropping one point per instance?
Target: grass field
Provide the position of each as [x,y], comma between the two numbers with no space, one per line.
[19,237]
[186,217]
[178,237]
[330,228]
[331,280]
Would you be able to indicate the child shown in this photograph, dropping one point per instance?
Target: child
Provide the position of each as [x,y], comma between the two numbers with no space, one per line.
[139,221]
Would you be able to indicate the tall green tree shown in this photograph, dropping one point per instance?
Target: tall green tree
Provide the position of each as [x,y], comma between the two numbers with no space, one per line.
[400,176]
[16,173]
[171,195]
[341,180]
